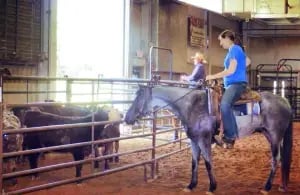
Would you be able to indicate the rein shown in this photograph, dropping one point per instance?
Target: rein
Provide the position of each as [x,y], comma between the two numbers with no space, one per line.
[202,83]
[161,107]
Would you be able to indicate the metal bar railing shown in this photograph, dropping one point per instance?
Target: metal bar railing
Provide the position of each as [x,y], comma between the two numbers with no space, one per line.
[153,161]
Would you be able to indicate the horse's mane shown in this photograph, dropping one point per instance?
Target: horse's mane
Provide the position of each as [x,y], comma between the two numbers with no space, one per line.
[184,102]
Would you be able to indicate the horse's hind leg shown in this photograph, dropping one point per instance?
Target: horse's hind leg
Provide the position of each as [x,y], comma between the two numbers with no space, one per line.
[275,153]
[195,163]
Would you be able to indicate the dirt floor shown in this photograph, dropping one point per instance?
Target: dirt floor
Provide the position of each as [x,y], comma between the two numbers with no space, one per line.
[241,171]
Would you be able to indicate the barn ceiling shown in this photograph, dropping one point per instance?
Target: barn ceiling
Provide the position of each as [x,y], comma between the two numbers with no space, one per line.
[271,12]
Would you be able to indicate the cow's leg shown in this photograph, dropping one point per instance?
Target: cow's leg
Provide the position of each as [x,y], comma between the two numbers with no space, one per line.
[110,150]
[9,166]
[96,166]
[33,163]
[104,153]
[117,150]
[78,154]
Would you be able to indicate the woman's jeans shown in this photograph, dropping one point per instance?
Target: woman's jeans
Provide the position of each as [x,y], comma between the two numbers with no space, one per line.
[230,96]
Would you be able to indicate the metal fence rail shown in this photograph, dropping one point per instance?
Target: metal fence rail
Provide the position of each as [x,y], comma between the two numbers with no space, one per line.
[152,162]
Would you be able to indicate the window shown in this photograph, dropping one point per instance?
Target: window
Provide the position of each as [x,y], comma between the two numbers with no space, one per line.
[90,41]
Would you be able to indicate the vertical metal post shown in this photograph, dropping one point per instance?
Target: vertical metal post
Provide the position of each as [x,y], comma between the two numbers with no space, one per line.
[153,166]
[93,91]
[180,138]
[5,29]
[93,139]
[111,92]
[16,27]
[1,132]
[98,86]
[48,89]
[27,91]
[156,69]
[68,90]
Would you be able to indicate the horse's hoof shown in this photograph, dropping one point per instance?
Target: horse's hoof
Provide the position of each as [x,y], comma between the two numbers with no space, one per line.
[213,145]
[282,189]
[187,190]
[264,192]
[209,193]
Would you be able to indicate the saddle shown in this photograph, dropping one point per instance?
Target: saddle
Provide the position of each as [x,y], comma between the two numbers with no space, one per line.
[249,96]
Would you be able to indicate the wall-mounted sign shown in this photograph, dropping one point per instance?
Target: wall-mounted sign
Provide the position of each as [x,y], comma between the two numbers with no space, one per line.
[196,32]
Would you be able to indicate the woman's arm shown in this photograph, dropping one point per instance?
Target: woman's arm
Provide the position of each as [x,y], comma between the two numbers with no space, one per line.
[191,77]
[248,61]
[231,69]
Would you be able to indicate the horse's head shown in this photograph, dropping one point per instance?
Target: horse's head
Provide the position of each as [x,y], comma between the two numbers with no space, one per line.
[140,106]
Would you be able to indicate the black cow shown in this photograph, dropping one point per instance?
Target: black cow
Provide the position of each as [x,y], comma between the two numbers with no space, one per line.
[69,110]
[35,140]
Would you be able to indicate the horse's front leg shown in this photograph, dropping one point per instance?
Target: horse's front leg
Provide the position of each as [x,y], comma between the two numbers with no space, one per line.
[205,147]
[195,163]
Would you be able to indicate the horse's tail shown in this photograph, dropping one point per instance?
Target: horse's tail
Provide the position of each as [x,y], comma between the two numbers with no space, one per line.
[286,155]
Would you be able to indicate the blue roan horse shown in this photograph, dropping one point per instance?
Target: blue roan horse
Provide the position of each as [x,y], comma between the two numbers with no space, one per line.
[191,106]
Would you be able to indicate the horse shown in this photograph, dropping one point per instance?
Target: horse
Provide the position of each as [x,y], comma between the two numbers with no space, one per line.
[33,140]
[192,108]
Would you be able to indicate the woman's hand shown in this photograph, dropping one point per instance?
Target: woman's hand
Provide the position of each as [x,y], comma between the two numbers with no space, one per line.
[210,77]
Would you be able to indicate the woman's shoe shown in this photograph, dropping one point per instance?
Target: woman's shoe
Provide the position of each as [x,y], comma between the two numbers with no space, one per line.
[224,142]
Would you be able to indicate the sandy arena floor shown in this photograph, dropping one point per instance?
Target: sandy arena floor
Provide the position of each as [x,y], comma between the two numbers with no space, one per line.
[241,171]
